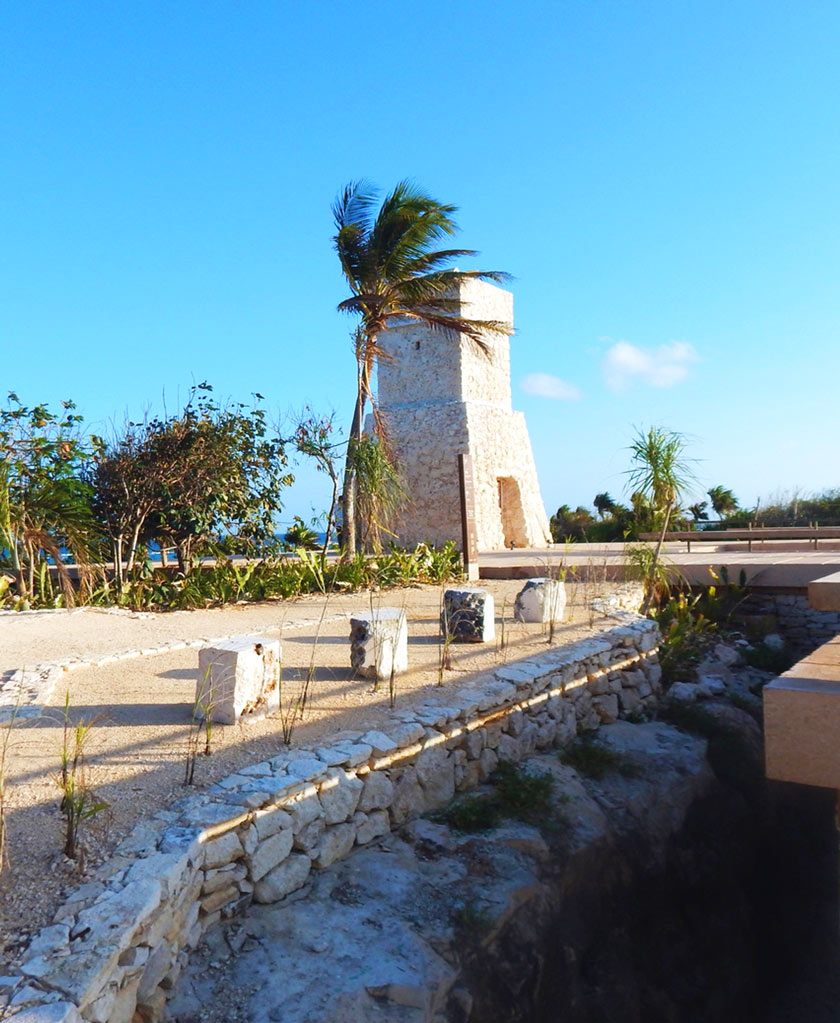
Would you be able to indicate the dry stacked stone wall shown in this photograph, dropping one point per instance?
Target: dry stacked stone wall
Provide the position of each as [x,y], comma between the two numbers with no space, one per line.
[803,626]
[117,946]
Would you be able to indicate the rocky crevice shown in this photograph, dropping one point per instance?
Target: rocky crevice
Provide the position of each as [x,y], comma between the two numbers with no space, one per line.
[651,897]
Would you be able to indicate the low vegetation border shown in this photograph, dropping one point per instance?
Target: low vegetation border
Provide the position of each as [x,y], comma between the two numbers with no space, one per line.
[117,946]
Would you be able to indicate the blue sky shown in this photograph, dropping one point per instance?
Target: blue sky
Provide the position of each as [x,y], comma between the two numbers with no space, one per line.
[661,178]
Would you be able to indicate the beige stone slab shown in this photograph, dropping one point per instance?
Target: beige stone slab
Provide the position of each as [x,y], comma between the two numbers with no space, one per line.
[812,670]
[824,593]
[802,731]
[826,655]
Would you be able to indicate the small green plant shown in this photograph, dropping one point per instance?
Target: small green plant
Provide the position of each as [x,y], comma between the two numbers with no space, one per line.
[776,660]
[654,572]
[683,630]
[503,637]
[78,802]
[200,725]
[293,708]
[5,746]
[445,638]
[476,813]
[471,921]
[515,793]
[300,535]
[593,759]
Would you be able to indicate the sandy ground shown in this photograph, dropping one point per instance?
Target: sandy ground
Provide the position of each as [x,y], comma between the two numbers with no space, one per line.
[142,712]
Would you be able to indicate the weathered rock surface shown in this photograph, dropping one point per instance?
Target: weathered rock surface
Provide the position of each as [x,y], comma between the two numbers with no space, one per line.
[398,930]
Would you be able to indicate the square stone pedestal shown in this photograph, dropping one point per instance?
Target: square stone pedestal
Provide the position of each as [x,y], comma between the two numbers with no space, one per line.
[468,615]
[540,600]
[379,643]
[238,678]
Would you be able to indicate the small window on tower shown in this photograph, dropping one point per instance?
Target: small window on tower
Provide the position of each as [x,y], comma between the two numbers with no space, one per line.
[417,345]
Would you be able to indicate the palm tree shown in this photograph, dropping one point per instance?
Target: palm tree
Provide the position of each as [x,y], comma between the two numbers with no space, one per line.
[723,500]
[698,511]
[389,259]
[604,504]
[661,472]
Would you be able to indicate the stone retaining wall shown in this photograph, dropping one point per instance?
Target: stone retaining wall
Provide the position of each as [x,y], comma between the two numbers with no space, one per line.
[117,946]
[803,626]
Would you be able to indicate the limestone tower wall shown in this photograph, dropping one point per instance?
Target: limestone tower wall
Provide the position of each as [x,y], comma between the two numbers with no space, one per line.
[441,395]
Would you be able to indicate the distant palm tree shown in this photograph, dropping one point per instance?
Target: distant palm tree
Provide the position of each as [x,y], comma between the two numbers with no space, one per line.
[699,512]
[604,504]
[389,259]
[723,501]
[661,472]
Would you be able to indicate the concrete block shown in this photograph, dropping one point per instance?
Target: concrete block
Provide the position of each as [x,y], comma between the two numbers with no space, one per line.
[802,728]
[540,600]
[238,678]
[379,643]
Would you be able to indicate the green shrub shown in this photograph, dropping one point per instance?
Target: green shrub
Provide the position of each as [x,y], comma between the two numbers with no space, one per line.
[515,794]
[768,658]
[593,759]
[683,628]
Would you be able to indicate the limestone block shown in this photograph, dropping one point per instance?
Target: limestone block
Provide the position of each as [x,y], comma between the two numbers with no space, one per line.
[509,748]
[339,795]
[309,838]
[371,825]
[303,810]
[224,849]
[377,793]
[406,733]
[546,734]
[468,615]
[223,877]
[468,776]
[408,797]
[606,707]
[488,762]
[336,842]
[630,701]
[156,969]
[270,853]
[286,878]
[269,822]
[218,899]
[237,678]
[540,600]
[379,643]
[435,771]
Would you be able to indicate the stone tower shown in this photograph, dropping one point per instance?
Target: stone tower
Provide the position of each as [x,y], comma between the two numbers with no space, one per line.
[440,396]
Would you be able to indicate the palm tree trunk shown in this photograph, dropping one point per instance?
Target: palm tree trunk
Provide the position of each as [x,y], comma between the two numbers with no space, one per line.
[350,527]
[649,595]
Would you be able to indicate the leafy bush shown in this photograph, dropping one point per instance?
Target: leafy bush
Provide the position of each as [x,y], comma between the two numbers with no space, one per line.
[516,793]
[684,628]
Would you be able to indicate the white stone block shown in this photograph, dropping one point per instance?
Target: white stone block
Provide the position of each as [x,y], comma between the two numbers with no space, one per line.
[540,600]
[238,678]
[379,642]
[468,615]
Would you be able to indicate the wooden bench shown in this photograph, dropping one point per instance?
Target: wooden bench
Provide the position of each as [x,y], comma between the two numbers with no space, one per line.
[760,533]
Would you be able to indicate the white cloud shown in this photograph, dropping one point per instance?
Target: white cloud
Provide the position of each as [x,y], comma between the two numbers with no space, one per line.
[664,366]
[544,385]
